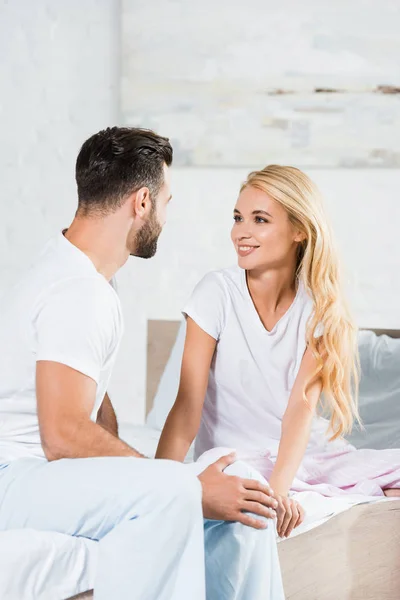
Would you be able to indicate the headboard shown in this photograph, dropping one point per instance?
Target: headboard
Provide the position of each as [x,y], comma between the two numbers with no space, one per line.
[161,336]
[160,340]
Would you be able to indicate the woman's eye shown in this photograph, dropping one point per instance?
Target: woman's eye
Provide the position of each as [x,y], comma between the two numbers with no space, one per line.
[261,220]
[236,218]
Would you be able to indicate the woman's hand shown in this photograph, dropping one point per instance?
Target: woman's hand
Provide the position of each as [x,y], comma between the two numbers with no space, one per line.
[290,514]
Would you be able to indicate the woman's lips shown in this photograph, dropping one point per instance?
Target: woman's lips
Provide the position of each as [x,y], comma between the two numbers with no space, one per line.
[244,250]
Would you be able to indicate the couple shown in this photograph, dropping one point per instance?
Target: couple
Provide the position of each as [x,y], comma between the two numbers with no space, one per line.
[263,340]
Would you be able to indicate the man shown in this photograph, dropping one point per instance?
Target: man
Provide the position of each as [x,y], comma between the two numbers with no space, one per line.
[65,469]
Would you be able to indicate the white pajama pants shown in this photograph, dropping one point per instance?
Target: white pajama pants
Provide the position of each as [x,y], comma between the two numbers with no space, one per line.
[147,517]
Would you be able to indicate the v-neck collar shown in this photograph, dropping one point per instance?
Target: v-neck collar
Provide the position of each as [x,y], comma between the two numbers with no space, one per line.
[256,316]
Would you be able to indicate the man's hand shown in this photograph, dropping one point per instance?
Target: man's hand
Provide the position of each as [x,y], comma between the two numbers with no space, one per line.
[289,515]
[229,498]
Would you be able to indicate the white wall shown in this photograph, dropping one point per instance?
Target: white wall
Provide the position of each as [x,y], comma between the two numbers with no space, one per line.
[59,74]
[238,83]
[58,84]
[363,206]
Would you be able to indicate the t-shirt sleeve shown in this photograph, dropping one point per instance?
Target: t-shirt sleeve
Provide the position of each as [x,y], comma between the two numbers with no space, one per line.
[319,330]
[77,325]
[208,304]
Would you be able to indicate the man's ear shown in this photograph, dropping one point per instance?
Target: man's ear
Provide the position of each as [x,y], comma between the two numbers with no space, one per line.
[141,203]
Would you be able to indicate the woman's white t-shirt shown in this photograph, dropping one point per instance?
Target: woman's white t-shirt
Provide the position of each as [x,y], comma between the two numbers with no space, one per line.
[253,370]
[62,310]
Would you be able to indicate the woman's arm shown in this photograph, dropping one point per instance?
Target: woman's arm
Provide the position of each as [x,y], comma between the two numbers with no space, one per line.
[296,426]
[183,421]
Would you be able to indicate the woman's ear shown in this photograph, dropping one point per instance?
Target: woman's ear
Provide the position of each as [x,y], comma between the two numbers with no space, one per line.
[300,236]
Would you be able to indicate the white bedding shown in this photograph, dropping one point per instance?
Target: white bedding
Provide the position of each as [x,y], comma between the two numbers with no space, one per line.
[52,566]
[379,408]
[43,565]
[318,508]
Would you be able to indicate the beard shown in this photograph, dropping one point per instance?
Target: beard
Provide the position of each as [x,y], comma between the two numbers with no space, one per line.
[147,238]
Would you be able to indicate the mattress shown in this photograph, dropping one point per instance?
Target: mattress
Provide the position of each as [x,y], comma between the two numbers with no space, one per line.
[353,556]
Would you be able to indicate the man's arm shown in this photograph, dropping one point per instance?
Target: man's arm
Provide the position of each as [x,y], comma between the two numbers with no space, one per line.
[65,399]
[106,416]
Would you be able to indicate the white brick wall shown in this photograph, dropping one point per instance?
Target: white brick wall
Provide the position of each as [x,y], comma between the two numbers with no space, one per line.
[209,74]
[59,72]
[363,206]
[58,84]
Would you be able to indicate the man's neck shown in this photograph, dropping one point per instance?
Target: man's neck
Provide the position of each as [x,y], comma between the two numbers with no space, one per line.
[103,242]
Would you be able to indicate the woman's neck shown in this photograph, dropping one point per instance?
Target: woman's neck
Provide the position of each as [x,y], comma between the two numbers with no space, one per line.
[272,290]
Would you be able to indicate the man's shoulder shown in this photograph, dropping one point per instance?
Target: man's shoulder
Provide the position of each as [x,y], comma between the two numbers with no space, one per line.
[78,290]
[61,271]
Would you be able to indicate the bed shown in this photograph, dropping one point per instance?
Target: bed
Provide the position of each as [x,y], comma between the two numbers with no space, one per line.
[349,553]
[354,554]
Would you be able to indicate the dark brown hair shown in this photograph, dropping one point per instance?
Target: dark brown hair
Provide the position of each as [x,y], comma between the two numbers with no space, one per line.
[115,162]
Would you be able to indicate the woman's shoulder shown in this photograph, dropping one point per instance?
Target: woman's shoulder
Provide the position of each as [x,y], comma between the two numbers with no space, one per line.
[210,302]
[223,278]
[218,286]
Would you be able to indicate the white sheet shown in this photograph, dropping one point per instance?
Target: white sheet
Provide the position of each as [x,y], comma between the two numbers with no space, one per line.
[318,508]
[42,565]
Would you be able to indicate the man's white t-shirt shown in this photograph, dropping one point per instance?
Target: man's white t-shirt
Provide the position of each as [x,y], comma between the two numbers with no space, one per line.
[253,370]
[62,310]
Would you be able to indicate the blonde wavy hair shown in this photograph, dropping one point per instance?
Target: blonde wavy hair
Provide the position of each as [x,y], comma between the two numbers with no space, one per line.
[336,350]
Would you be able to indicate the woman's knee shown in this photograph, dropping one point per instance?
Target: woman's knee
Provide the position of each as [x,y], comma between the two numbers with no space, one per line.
[244,471]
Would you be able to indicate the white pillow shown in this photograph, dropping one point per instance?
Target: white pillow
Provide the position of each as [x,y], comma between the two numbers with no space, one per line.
[169,383]
[44,565]
[379,399]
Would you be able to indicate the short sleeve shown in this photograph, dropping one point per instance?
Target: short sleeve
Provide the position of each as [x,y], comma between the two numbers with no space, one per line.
[77,324]
[208,304]
[319,330]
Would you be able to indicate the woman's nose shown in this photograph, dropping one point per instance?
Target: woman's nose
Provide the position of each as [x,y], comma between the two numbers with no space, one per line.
[244,232]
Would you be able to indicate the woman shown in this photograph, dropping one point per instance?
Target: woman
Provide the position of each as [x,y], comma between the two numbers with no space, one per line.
[264,340]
